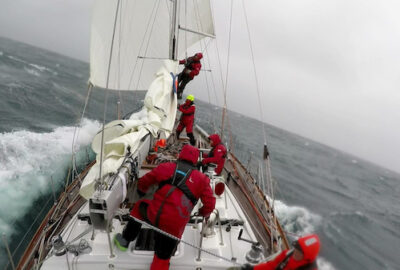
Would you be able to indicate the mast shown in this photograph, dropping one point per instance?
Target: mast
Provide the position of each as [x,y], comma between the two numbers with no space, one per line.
[173,45]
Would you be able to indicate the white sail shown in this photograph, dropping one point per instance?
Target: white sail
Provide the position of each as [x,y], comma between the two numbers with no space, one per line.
[130,37]
[158,114]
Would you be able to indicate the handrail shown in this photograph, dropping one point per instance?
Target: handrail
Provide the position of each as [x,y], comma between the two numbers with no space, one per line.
[260,195]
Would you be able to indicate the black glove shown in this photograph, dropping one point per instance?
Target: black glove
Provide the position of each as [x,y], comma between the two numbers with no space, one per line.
[243,267]
[198,164]
[141,193]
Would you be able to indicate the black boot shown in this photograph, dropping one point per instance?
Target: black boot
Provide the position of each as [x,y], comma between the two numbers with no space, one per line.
[192,140]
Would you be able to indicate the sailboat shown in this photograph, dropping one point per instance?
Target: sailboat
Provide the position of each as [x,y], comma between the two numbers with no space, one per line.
[135,46]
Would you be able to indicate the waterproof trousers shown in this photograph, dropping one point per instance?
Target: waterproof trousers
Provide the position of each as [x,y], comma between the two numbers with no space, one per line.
[164,246]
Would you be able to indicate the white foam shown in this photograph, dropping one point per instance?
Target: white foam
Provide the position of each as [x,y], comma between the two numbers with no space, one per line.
[27,160]
[298,221]
[324,264]
[37,67]
[32,71]
[295,219]
[1,53]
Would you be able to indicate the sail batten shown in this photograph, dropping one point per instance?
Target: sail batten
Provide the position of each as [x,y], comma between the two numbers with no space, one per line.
[141,39]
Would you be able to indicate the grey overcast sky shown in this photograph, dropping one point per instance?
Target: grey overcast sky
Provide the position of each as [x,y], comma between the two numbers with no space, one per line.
[328,70]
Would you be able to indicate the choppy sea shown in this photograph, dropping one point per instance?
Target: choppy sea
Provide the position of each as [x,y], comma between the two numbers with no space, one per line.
[352,204]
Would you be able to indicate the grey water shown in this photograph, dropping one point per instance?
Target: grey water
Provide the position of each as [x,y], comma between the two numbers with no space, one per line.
[352,204]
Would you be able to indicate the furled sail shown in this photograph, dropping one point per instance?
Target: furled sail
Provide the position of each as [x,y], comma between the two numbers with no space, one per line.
[129,38]
[157,114]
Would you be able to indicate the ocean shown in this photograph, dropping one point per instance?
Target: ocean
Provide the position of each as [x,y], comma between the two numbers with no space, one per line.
[352,204]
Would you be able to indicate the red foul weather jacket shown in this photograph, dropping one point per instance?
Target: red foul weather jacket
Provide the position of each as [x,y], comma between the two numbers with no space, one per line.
[310,247]
[217,154]
[192,66]
[177,207]
[187,118]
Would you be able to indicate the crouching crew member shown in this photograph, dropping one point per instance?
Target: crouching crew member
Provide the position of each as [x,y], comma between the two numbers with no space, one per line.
[217,153]
[187,118]
[180,185]
[302,257]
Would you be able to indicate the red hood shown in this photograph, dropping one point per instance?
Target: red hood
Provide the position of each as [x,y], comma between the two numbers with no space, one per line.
[215,139]
[189,153]
[198,56]
[310,246]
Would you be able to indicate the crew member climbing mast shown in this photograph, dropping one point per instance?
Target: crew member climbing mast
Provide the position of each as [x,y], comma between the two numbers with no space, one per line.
[187,118]
[191,69]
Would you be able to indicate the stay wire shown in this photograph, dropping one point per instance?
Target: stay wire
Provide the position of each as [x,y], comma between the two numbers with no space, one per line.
[106,94]
[155,6]
[147,45]
[78,128]
[255,73]
[204,50]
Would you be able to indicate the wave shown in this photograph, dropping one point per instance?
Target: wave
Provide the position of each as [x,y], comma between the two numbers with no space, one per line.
[296,220]
[35,66]
[27,162]
[324,264]
[32,71]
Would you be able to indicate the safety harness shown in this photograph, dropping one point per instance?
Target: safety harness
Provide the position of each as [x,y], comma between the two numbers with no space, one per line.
[186,107]
[182,172]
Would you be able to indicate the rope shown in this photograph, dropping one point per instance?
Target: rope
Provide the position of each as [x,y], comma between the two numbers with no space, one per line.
[180,240]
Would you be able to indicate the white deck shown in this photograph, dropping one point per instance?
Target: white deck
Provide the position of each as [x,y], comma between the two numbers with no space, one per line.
[185,257]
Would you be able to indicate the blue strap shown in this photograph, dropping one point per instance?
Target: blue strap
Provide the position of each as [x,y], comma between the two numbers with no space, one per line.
[180,172]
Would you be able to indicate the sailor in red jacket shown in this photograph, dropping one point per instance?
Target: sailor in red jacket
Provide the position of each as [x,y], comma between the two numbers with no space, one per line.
[217,154]
[187,118]
[180,186]
[302,257]
[192,69]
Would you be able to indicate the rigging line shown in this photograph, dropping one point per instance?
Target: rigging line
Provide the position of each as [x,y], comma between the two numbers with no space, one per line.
[203,50]
[212,77]
[227,68]
[199,22]
[33,223]
[106,94]
[267,167]
[186,47]
[208,91]
[119,62]
[141,44]
[255,73]
[148,43]
[77,130]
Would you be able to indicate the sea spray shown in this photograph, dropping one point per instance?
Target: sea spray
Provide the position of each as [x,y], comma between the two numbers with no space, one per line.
[28,160]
